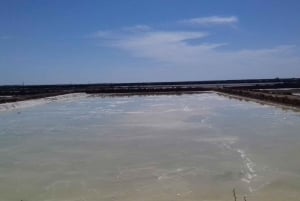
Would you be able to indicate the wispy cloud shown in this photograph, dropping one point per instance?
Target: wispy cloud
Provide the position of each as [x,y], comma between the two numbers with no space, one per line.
[115,34]
[137,28]
[100,34]
[177,49]
[212,20]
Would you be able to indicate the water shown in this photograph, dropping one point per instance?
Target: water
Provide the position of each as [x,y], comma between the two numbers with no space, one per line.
[142,148]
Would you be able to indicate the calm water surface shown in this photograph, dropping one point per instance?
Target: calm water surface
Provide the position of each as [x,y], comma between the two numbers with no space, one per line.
[158,148]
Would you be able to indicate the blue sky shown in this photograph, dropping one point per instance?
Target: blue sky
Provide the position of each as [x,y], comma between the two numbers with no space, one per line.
[72,41]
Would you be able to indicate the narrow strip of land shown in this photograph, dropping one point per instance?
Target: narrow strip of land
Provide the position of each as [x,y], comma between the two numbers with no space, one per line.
[279,91]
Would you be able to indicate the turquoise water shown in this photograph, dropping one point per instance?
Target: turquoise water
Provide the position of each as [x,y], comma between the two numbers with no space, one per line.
[188,147]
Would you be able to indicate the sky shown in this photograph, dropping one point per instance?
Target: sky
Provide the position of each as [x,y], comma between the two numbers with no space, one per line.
[106,41]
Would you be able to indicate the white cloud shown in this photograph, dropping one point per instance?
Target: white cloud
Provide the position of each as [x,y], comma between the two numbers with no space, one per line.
[203,59]
[161,45]
[160,38]
[117,34]
[100,34]
[137,28]
[213,20]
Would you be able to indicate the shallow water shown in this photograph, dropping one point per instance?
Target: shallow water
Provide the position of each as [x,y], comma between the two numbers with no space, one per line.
[162,148]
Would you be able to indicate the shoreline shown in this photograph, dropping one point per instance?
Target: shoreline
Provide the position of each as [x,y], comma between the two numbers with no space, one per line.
[22,104]
[259,101]
[4,107]
[72,96]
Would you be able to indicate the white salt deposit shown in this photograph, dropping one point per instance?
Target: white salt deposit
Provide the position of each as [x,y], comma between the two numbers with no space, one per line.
[41,101]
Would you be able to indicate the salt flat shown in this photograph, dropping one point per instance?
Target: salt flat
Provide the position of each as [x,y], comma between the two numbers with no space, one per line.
[188,147]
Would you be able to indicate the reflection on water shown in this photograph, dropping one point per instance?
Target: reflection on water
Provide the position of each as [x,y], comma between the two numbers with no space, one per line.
[189,147]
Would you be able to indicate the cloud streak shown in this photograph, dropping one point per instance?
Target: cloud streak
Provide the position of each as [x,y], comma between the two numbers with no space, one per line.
[209,21]
[137,28]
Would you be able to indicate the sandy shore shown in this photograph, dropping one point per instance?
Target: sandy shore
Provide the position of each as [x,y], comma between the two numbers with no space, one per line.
[75,96]
[35,102]
[263,102]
